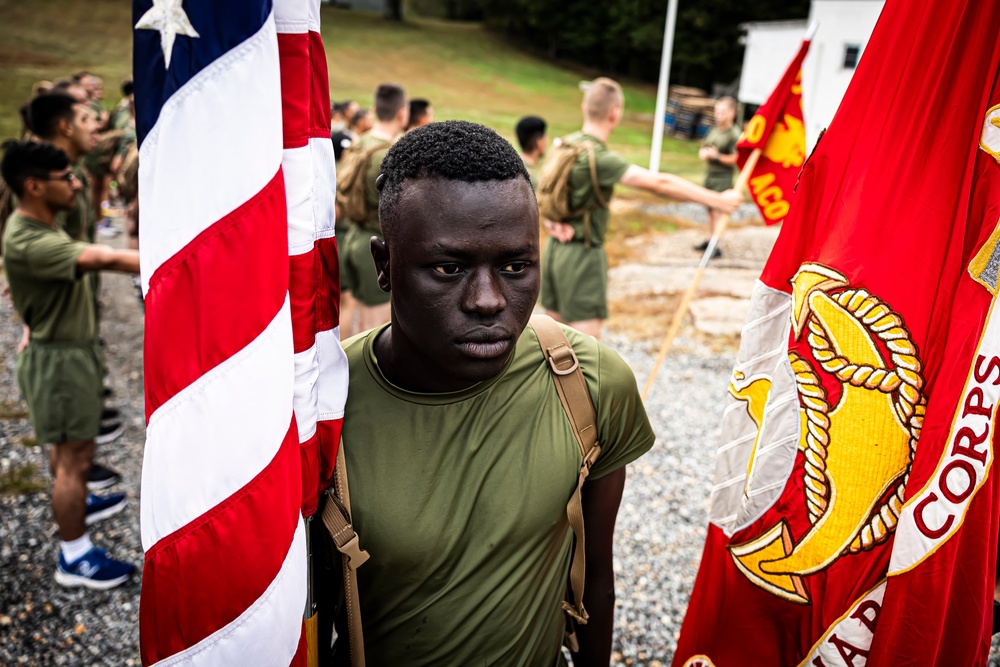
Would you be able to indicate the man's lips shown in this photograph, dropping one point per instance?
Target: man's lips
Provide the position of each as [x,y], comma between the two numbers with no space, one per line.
[486,345]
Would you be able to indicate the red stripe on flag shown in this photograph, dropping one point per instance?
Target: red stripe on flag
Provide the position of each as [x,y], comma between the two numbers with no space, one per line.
[328,289]
[329,437]
[303,286]
[309,451]
[301,657]
[293,53]
[229,282]
[202,577]
[320,120]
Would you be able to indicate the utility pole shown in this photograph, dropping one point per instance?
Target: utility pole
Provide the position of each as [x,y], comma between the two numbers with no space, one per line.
[661,91]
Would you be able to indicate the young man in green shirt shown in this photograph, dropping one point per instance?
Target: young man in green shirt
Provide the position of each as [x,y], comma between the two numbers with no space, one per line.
[357,271]
[718,150]
[459,455]
[62,121]
[575,265]
[530,132]
[59,371]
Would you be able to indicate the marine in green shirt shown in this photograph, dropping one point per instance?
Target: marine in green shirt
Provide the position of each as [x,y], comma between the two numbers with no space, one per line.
[459,454]
[575,265]
[356,268]
[718,150]
[532,139]
[59,369]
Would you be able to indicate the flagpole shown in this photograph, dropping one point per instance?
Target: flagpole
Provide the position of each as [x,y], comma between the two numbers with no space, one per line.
[675,323]
[661,90]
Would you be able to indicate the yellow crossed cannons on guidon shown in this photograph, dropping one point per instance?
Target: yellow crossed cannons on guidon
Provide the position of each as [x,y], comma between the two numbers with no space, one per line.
[857,453]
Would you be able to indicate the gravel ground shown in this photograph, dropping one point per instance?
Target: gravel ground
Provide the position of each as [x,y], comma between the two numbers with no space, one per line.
[661,526]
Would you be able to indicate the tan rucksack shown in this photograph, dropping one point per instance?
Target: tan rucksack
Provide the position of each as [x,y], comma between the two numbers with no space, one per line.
[128,174]
[571,386]
[554,187]
[351,199]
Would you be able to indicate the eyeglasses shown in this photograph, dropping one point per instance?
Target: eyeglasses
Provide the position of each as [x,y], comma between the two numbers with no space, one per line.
[69,177]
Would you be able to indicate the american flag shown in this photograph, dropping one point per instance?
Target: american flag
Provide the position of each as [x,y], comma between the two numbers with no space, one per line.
[245,377]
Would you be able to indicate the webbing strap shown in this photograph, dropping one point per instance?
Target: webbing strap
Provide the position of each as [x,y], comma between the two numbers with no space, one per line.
[337,519]
[598,197]
[575,398]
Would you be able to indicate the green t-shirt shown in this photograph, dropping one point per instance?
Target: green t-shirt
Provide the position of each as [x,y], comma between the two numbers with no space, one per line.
[49,294]
[81,222]
[532,173]
[610,168]
[725,142]
[460,498]
[366,142]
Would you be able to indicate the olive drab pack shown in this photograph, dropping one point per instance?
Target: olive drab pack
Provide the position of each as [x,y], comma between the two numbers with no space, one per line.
[554,187]
[351,199]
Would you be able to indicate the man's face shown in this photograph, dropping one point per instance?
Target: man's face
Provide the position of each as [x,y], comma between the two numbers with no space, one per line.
[427,118]
[725,114]
[58,190]
[464,272]
[83,130]
[542,144]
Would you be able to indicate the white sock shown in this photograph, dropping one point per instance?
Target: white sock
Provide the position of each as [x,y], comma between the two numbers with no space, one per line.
[76,549]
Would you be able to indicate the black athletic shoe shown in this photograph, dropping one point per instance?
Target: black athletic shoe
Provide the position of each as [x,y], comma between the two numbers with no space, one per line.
[101,477]
[702,247]
[110,414]
[717,254]
[109,432]
[106,392]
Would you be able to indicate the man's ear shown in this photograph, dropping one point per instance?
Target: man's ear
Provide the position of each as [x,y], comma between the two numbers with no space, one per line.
[64,127]
[380,253]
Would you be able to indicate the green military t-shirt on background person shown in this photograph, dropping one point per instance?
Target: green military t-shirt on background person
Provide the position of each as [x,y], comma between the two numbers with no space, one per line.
[718,176]
[460,499]
[575,274]
[357,266]
[59,372]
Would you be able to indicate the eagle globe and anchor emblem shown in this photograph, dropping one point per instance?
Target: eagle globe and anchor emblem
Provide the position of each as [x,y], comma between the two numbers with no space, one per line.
[861,408]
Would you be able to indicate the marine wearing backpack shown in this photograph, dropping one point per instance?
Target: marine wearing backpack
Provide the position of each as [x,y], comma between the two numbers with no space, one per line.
[352,199]
[555,187]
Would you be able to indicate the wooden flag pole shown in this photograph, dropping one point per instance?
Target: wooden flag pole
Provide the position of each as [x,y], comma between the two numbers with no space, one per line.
[675,323]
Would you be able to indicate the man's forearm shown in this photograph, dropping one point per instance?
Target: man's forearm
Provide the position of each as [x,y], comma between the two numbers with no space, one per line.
[595,637]
[676,187]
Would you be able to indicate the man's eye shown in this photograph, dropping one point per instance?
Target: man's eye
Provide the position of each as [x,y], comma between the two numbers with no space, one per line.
[448,269]
[515,267]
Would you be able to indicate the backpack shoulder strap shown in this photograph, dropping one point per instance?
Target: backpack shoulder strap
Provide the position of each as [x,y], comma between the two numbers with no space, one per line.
[337,519]
[575,398]
[592,162]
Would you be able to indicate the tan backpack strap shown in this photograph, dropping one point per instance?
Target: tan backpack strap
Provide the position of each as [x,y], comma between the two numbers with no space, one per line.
[337,519]
[592,160]
[575,397]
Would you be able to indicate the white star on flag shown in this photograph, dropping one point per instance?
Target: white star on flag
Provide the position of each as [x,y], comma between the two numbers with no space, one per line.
[167,17]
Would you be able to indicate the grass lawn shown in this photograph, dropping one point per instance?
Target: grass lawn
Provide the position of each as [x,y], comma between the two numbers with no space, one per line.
[466,71]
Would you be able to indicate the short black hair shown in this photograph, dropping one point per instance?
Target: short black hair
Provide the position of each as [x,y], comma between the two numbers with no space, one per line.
[529,130]
[358,115]
[29,159]
[389,99]
[453,149]
[77,77]
[45,112]
[127,87]
[418,109]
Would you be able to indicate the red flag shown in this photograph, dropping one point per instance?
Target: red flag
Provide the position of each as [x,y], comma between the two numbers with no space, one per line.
[854,517]
[779,131]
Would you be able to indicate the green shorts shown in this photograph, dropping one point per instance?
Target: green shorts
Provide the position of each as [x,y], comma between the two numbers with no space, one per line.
[344,240]
[61,383]
[357,269]
[575,281]
[719,182]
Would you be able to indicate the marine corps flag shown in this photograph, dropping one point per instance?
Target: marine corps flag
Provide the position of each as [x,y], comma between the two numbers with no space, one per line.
[779,131]
[854,516]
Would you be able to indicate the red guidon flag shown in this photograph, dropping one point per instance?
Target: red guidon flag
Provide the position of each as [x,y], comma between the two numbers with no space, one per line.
[778,130]
[854,516]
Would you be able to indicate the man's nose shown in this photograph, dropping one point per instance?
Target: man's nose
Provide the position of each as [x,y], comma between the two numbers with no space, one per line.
[483,293]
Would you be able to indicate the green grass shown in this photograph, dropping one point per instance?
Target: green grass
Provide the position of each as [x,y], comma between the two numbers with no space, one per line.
[21,480]
[466,71]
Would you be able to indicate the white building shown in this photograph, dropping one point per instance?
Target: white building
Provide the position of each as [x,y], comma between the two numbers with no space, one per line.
[844,29]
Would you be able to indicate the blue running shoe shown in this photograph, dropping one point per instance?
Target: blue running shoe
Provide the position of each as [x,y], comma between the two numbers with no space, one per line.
[101,507]
[94,570]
